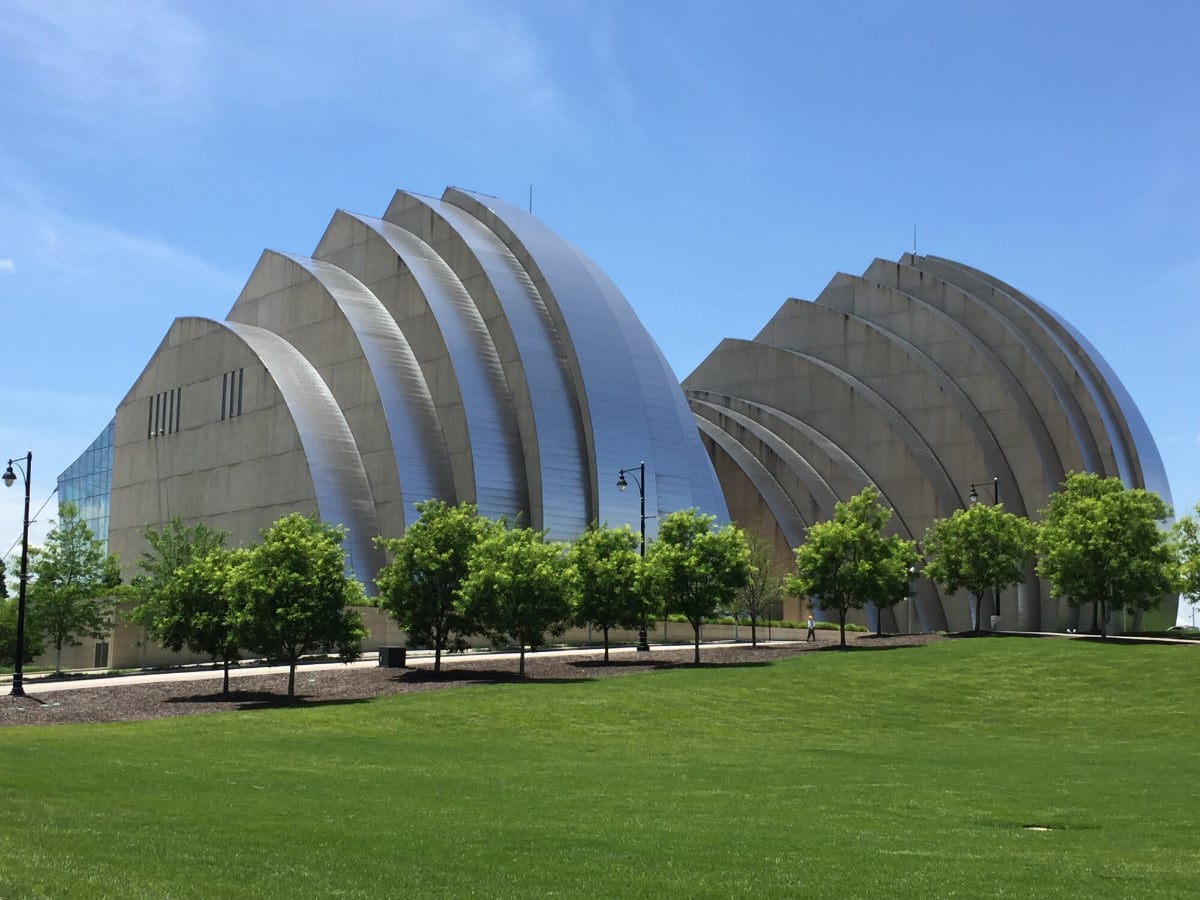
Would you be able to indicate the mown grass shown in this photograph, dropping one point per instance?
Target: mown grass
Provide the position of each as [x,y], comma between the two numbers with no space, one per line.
[897,773]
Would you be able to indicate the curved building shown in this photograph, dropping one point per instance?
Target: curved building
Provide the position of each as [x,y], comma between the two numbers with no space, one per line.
[931,381]
[455,348]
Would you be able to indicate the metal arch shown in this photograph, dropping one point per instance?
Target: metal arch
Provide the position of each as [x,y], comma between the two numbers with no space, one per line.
[784,510]
[557,459]
[498,486]
[1134,445]
[994,456]
[338,475]
[1048,452]
[931,606]
[418,443]
[1085,438]
[631,409]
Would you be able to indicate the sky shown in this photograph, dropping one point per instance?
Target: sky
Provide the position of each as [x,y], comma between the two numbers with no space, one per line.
[713,158]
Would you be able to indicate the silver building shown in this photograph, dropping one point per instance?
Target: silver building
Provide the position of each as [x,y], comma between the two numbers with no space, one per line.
[454,348]
[457,348]
[933,382]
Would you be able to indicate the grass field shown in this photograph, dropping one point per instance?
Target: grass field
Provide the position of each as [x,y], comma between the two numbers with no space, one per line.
[901,773]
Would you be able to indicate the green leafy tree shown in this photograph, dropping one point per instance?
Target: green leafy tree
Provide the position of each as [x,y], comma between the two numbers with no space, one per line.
[604,567]
[695,569]
[181,596]
[516,587]
[72,585]
[979,549]
[848,562]
[1101,542]
[8,636]
[290,595]
[419,588]
[3,580]
[764,587]
[1186,533]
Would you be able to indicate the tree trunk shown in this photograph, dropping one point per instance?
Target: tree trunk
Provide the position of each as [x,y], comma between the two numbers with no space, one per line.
[696,629]
[753,633]
[606,643]
[842,623]
[977,613]
[1102,608]
[437,658]
[225,682]
[522,668]
[292,681]
[58,658]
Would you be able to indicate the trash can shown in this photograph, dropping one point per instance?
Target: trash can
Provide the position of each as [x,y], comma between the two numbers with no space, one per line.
[393,657]
[995,623]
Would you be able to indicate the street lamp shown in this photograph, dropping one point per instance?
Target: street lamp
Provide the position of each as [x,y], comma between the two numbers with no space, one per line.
[18,679]
[974,498]
[640,479]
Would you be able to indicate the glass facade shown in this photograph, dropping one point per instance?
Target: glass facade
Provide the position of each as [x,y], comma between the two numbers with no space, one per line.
[87,483]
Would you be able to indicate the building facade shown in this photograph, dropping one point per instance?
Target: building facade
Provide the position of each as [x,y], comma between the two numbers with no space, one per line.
[457,348]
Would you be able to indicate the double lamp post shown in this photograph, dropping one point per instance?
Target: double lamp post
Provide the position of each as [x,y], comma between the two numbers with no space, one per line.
[18,678]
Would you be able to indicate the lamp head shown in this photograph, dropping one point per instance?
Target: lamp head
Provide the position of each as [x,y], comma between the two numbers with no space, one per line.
[9,476]
[974,495]
[621,482]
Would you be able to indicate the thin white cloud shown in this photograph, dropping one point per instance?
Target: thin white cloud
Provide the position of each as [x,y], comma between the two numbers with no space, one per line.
[118,64]
[7,265]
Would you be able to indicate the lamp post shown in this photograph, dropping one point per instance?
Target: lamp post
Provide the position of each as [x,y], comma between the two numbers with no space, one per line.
[18,679]
[974,498]
[640,479]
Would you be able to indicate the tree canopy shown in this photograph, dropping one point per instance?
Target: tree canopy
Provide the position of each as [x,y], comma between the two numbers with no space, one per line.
[979,549]
[71,586]
[290,595]
[182,598]
[1187,546]
[695,569]
[1101,542]
[604,568]
[517,588]
[420,587]
[847,562]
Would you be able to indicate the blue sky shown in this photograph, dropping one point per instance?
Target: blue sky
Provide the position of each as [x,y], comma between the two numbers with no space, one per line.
[714,158]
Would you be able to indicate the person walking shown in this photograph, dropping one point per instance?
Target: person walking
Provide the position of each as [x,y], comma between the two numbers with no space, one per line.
[812,629]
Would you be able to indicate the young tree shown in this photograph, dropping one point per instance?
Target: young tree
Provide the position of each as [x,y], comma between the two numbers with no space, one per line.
[72,583]
[604,567]
[419,588]
[695,569]
[1186,534]
[181,598]
[847,562]
[1100,542]
[763,589]
[191,608]
[290,595]
[516,587]
[981,548]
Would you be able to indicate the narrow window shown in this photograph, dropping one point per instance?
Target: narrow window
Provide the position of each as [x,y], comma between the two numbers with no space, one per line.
[224,392]
[241,378]
[178,406]
[170,412]
[150,419]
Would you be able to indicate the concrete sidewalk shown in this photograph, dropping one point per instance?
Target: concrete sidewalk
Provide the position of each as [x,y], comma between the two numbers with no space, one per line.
[37,683]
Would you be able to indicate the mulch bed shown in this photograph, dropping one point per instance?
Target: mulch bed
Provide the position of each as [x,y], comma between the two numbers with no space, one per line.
[101,702]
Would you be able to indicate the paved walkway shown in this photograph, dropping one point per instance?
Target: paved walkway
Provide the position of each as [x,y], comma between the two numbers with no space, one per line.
[39,682]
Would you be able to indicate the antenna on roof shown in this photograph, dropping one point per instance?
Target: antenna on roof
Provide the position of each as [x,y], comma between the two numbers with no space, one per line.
[914,238]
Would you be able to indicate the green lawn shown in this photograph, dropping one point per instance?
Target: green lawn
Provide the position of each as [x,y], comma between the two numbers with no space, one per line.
[864,774]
